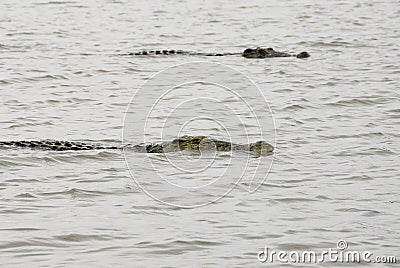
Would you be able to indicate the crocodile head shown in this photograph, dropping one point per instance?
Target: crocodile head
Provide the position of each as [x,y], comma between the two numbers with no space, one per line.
[303,55]
[258,53]
[261,147]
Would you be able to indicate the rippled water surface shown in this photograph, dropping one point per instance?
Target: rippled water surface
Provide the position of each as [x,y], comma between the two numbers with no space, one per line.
[337,115]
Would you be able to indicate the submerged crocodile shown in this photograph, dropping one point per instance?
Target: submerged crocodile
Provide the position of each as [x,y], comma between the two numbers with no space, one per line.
[191,143]
[250,53]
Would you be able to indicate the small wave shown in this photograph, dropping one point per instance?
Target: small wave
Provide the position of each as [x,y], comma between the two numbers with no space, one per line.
[28,124]
[369,151]
[294,107]
[32,242]
[20,210]
[356,101]
[394,111]
[5,81]
[337,44]
[73,237]
[323,197]
[56,3]
[353,135]
[33,79]
[178,246]
[25,196]
[331,44]
[356,178]
[73,192]
[49,77]
[292,200]
[20,229]
[368,211]
[21,33]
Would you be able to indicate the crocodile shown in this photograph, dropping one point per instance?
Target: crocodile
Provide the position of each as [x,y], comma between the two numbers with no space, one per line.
[250,53]
[190,143]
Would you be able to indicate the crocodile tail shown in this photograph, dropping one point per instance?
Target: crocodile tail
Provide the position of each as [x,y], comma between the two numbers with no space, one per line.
[56,145]
[178,52]
[157,52]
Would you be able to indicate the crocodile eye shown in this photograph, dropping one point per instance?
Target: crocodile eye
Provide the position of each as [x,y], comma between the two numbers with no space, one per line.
[248,50]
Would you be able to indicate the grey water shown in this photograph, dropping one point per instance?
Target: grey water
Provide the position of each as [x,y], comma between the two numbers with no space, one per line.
[335,171]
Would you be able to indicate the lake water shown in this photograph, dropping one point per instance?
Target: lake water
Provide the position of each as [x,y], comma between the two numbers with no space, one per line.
[335,174]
